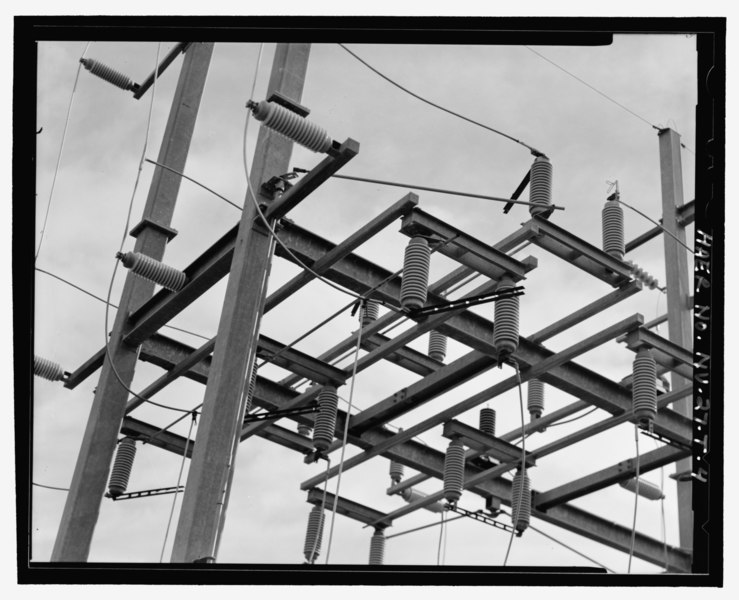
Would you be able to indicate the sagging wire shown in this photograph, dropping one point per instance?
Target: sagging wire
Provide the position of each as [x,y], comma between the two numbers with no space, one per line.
[533,150]
[441,536]
[61,149]
[346,430]
[636,497]
[50,487]
[434,524]
[585,414]
[179,479]
[523,454]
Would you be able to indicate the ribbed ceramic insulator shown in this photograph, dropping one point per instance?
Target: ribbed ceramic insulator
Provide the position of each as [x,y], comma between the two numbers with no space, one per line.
[613,229]
[122,466]
[437,345]
[396,471]
[410,495]
[252,387]
[505,328]
[647,489]
[644,389]
[535,402]
[313,534]
[325,423]
[304,429]
[292,126]
[153,270]
[377,548]
[643,276]
[487,421]
[520,501]
[370,312]
[454,471]
[540,187]
[106,73]
[47,369]
[414,286]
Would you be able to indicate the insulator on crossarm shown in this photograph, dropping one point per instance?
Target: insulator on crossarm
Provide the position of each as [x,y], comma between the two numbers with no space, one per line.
[454,471]
[520,501]
[122,465]
[644,388]
[613,229]
[291,125]
[540,187]
[370,312]
[325,423]
[505,327]
[313,534]
[411,495]
[535,402]
[416,262]
[304,429]
[647,489]
[153,270]
[377,547]
[437,345]
[640,274]
[47,369]
[487,422]
[396,472]
[106,73]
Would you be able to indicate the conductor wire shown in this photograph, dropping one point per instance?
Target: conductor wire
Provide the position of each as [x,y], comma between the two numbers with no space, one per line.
[523,456]
[61,149]
[446,110]
[636,497]
[636,210]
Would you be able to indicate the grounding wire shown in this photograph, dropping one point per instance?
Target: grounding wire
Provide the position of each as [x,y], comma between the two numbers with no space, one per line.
[84,291]
[523,456]
[636,210]
[177,489]
[636,497]
[50,487]
[346,430]
[59,156]
[451,112]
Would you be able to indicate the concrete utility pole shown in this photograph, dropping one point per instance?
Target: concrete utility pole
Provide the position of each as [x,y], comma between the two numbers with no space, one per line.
[207,488]
[152,234]
[678,307]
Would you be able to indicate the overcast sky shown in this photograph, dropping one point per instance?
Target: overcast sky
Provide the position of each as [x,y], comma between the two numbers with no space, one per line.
[589,140]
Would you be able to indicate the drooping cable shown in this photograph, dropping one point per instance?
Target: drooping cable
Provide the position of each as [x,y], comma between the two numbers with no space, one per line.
[177,489]
[585,414]
[636,497]
[433,524]
[451,112]
[345,436]
[50,487]
[441,535]
[59,156]
[523,453]
[561,543]
[673,236]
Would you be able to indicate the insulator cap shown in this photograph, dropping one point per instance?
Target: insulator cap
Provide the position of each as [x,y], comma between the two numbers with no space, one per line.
[122,466]
[325,423]
[520,501]
[370,312]
[644,389]
[540,187]
[505,327]
[647,489]
[613,229]
[47,369]
[454,471]
[396,472]
[416,262]
[437,345]
[292,126]
[313,534]
[535,398]
[153,270]
[377,548]
[107,74]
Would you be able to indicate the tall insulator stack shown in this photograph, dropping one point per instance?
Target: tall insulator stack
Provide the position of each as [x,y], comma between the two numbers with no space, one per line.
[454,471]
[396,472]
[487,422]
[325,423]
[108,74]
[291,125]
[47,369]
[370,312]
[540,187]
[153,270]
[535,400]
[520,501]
[613,228]
[505,328]
[416,262]
[644,389]
[313,534]
[122,465]
[377,547]
[437,346]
